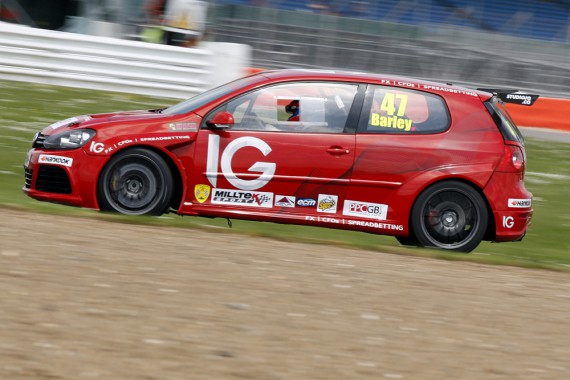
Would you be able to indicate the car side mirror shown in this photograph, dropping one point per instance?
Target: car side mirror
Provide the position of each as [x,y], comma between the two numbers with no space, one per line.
[221,120]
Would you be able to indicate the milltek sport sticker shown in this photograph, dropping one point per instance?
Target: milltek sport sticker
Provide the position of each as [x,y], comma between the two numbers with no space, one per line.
[520,203]
[242,198]
[365,210]
[55,160]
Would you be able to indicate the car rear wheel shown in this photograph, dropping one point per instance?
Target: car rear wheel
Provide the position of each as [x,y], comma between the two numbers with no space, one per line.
[136,182]
[450,215]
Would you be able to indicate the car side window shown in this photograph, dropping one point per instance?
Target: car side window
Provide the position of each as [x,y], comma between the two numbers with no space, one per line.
[402,111]
[240,110]
[311,107]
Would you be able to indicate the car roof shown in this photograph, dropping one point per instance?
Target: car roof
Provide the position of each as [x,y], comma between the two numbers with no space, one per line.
[363,77]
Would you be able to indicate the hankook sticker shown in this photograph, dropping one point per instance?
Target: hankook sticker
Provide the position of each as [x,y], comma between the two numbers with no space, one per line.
[55,160]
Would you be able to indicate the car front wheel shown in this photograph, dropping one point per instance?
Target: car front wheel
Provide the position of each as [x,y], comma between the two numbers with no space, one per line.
[450,215]
[136,182]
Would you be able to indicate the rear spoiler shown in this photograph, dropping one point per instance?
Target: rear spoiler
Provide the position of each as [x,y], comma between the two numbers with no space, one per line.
[512,96]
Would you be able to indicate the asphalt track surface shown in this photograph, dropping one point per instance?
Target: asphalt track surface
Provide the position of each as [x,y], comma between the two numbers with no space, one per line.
[90,299]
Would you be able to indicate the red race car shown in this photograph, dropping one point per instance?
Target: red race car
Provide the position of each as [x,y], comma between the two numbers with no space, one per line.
[431,164]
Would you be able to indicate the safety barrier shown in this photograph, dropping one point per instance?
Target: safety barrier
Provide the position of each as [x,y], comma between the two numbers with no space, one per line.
[76,60]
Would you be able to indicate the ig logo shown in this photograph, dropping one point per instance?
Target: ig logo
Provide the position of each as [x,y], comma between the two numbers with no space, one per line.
[96,147]
[508,221]
[267,169]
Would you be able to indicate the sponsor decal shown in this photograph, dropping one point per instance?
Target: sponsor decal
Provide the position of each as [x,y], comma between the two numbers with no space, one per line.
[266,169]
[242,198]
[365,209]
[519,203]
[383,226]
[399,83]
[306,202]
[518,97]
[124,142]
[202,192]
[508,222]
[524,99]
[183,127]
[284,201]
[55,160]
[327,203]
[324,219]
[96,147]
[447,89]
[164,138]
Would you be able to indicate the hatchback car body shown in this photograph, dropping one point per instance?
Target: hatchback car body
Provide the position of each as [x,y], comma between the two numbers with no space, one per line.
[431,164]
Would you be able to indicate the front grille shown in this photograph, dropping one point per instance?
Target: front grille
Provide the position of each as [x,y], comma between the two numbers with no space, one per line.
[28,179]
[39,141]
[53,179]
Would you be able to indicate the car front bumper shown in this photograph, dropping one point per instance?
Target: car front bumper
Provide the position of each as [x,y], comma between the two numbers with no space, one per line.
[65,176]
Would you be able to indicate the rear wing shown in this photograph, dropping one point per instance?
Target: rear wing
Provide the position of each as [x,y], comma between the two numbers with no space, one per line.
[512,96]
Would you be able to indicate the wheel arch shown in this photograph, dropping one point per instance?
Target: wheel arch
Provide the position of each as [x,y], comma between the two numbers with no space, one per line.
[170,160]
[491,230]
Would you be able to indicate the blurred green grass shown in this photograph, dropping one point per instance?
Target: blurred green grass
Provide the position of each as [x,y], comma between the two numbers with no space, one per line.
[27,108]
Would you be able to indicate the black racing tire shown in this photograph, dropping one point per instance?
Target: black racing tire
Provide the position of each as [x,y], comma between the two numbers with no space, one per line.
[136,182]
[450,215]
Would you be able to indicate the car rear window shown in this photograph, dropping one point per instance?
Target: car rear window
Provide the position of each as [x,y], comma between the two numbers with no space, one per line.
[397,110]
[504,121]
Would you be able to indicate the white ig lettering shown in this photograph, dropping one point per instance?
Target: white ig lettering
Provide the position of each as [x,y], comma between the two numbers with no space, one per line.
[508,221]
[266,169]
[96,147]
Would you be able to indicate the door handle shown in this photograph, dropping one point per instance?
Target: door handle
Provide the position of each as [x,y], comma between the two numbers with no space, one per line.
[338,150]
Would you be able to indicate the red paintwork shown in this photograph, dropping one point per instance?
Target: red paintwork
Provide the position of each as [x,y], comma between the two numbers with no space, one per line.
[390,169]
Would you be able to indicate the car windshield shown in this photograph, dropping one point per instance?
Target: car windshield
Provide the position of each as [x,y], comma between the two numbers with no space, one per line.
[206,97]
[504,121]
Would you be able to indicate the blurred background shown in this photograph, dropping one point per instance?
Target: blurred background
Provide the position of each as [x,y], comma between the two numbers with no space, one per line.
[515,44]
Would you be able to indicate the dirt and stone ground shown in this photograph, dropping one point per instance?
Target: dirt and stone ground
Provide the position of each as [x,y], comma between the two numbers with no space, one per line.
[91,299]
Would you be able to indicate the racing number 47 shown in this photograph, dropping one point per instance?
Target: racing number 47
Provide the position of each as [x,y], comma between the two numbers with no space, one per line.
[389,104]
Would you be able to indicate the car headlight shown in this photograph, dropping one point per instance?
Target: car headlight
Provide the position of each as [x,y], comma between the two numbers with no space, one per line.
[69,139]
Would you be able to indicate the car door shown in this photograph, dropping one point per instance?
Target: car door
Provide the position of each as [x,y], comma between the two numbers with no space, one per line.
[288,154]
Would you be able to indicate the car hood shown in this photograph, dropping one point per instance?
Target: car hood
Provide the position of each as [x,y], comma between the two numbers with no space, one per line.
[96,121]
